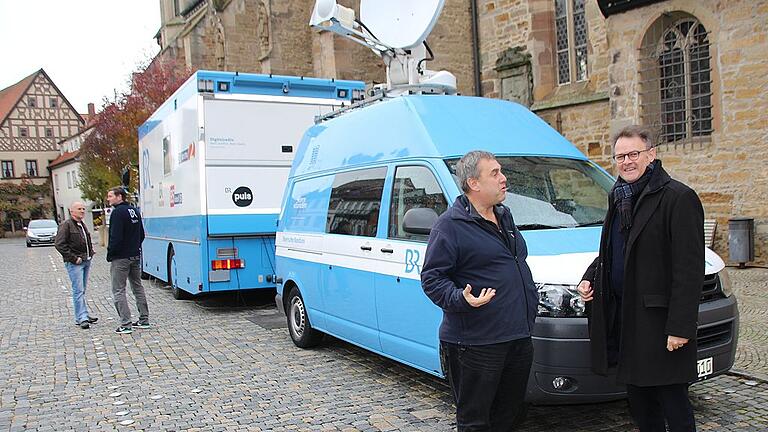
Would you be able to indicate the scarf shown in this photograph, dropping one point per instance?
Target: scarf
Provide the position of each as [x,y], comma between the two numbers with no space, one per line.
[625,194]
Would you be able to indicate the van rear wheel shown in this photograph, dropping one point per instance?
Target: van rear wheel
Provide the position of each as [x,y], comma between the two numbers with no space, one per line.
[178,293]
[302,333]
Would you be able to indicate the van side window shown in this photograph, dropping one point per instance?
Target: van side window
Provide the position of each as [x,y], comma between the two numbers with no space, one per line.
[355,202]
[414,187]
[167,155]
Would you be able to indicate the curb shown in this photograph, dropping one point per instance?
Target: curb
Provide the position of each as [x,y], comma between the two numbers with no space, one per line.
[756,376]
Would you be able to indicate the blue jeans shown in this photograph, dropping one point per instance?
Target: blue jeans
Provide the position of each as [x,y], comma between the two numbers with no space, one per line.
[78,274]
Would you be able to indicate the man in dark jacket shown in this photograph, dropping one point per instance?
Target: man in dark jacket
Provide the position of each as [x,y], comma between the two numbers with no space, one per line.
[73,241]
[644,287]
[126,233]
[475,270]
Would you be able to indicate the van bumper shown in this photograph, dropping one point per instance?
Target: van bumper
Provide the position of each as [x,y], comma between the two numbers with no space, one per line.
[561,350]
[561,353]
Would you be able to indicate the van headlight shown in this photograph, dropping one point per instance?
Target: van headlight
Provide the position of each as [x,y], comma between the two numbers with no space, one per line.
[560,301]
[725,282]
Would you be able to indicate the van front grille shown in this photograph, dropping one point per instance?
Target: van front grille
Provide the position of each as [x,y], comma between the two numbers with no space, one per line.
[708,337]
[711,289]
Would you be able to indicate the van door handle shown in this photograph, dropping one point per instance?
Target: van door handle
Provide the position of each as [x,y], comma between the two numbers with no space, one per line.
[387,250]
[365,248]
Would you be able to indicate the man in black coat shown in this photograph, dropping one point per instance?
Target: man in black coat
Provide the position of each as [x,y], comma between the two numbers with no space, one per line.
[475,271]
[644,287]
[126,233]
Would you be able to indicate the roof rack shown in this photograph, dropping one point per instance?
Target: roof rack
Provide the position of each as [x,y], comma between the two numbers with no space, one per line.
[381,93]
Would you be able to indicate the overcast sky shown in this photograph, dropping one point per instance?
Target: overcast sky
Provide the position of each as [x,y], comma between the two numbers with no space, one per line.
[87,47]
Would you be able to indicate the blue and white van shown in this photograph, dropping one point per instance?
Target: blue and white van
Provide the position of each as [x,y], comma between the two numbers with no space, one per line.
[350,242]
[213,161]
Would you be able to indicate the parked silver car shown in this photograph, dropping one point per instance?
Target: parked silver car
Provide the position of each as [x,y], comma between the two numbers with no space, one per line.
[41,231]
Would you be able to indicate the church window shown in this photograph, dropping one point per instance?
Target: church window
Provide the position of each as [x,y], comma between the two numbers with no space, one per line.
[571,41]
[676,79]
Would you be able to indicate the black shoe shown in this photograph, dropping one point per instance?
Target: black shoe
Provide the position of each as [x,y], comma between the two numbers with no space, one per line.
[124,330]
[92,319]
[85,324]
[140,325]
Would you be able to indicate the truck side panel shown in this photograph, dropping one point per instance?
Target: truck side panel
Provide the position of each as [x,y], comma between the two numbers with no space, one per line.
[171,202]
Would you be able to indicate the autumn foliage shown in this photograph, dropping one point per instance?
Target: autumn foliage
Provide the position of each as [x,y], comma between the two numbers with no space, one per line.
[113,143]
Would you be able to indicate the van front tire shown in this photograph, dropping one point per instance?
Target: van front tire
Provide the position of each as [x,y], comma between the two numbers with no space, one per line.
[302,333]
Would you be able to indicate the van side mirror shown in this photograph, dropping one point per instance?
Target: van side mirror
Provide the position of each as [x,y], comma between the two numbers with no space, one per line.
[419,220]
[125,178]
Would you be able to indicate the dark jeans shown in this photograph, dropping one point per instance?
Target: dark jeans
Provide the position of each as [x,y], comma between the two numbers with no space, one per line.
[651,406]
[488,383]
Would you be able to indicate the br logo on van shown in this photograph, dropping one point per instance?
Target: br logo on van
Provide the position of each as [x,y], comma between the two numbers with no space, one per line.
[242,197]
[412,261]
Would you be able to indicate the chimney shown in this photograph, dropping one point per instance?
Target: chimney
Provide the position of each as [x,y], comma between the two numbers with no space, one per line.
[91,110]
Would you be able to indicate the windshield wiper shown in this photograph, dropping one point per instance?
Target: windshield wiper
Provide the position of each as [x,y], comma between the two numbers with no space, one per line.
[538,226]
[592,223]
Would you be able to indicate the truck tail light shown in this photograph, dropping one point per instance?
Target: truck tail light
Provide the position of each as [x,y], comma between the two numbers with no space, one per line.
[227,264]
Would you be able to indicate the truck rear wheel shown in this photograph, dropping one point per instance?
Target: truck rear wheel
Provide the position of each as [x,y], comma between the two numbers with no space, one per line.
[302,333]
[178,293]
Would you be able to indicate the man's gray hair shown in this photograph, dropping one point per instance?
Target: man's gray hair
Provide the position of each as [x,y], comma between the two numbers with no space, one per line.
[467,167]
[632,131]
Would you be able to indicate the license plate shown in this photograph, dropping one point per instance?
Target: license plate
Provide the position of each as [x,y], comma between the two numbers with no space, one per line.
[705,367]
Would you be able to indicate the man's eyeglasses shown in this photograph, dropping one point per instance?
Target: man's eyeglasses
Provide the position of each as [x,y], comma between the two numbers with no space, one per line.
[633,155]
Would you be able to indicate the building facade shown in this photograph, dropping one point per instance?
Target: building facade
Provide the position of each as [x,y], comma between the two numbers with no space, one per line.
[695,71]
[65,176]
[34,117]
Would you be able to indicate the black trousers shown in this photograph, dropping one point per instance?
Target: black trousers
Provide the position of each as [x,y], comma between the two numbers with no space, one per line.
[488,383]
[651,407]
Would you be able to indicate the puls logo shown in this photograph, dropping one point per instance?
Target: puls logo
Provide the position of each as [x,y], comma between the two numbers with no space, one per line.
[242,196]
[412,261]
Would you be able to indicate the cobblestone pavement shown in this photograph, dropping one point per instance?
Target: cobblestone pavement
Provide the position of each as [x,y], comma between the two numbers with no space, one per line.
[751,288]
[226,363]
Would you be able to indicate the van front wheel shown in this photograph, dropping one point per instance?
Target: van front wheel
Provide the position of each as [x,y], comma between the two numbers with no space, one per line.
[302,333]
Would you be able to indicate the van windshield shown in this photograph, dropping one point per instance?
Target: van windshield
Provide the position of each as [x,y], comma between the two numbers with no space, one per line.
[547,192]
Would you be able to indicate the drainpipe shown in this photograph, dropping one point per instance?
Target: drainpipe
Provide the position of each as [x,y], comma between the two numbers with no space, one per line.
[476,47]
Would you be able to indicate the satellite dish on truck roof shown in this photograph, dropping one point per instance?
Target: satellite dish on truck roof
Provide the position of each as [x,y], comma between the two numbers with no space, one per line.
[396,30]
[400,23]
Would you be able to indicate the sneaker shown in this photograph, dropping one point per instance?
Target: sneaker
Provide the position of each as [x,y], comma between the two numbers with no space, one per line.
[123,330]
[92,319]
[140,325]
[85,324]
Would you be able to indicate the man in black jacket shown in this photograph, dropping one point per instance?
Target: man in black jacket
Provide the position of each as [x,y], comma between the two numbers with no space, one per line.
[644,287]
[475,270]
[126,233]
[73,241]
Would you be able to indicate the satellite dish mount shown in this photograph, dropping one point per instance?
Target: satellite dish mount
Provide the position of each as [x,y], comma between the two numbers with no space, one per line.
[396,30]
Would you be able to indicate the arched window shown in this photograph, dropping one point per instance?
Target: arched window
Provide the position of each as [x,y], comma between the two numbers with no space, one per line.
[676,79]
